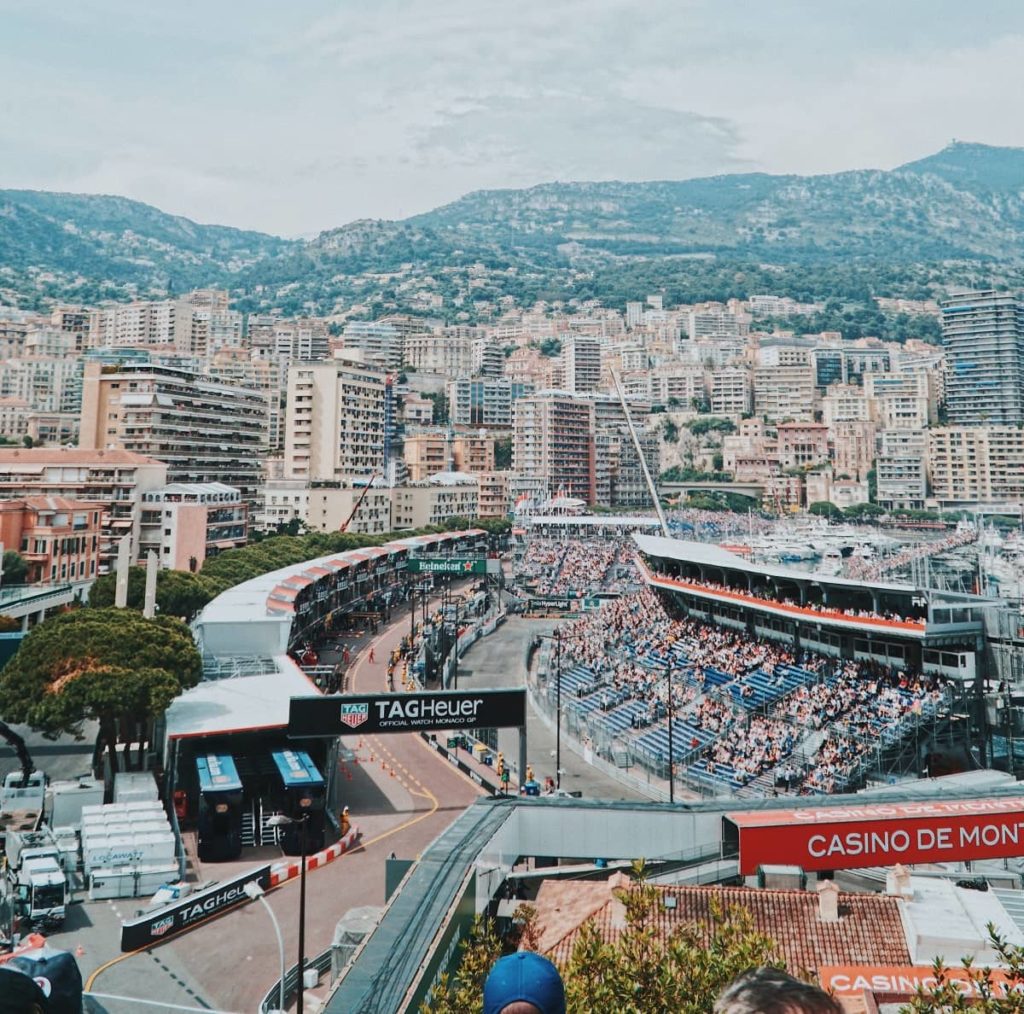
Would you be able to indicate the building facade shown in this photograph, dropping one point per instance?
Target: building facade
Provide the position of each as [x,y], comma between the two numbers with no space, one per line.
[204,431]
[186,523]
[553,442]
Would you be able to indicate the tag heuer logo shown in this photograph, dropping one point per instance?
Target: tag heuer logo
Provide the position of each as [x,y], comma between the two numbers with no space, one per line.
[353,715]
[159,928]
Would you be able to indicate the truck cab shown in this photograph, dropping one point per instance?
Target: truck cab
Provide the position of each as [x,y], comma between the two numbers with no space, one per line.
[40,892]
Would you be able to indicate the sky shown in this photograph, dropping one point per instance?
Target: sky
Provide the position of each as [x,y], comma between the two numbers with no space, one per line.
[293,117]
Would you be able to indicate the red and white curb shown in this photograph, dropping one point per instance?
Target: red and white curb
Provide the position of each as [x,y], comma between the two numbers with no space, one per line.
[281,872]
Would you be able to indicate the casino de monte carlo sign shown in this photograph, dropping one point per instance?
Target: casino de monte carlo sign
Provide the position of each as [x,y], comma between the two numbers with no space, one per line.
[474,709]
[853,836]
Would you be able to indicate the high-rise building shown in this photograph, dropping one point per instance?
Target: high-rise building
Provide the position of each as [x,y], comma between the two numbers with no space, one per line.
[484,401]
[381,344]
[204,431]
[450,355]
[976,464]
[335,421]
[983,335]
[553,443]
[581,364]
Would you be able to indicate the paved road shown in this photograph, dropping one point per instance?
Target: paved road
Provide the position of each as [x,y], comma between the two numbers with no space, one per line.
[231,962]
[62,758]
[499,661]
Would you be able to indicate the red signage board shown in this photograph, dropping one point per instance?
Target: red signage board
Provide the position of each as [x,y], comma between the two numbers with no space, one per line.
[904,980]
[880,834]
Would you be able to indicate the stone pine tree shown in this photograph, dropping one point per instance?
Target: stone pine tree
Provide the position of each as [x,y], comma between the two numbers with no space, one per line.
[111,666]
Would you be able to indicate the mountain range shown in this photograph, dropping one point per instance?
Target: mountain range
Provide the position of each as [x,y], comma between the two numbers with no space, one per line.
[958,212]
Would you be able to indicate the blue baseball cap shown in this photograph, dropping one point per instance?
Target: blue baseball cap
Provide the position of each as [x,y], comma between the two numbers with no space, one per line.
[524,976]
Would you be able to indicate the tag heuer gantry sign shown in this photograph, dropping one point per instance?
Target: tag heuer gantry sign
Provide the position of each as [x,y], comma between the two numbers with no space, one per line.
[334,715]
[448,565]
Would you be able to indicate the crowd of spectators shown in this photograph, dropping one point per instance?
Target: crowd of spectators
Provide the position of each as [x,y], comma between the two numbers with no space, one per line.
[578,568]
[852,705]
[872,568]
[816,607]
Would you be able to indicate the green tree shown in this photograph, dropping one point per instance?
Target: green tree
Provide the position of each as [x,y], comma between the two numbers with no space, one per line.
[108,665]
[863,510]
[503,453]
[640,970]
[463,993]
[440,401]
[825,509]
[15,568]
[178,592]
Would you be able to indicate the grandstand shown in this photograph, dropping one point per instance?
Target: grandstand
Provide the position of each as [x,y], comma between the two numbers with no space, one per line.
[750,715]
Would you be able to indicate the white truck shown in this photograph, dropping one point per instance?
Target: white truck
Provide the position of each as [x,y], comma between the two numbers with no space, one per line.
[37,881]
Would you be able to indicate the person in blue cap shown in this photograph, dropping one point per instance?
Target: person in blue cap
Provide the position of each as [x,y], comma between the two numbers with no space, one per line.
[524,983]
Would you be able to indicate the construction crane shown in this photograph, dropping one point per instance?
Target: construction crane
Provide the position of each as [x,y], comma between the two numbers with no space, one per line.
[359,502]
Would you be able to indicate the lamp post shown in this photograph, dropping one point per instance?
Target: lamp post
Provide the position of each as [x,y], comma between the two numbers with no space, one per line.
[671,753]
[254,891]
[558,708]
[280,820]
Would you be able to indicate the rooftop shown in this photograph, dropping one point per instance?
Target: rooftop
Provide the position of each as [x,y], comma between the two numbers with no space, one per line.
[869,930]
[72,456]
[240,703]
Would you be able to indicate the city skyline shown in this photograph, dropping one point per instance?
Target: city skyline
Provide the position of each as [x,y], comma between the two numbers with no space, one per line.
[296,123]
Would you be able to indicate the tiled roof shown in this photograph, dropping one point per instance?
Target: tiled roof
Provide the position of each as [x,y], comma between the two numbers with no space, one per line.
[869,930]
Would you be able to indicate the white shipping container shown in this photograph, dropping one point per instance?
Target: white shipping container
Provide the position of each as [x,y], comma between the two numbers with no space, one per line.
[134,786]
[68,800]
[130,882]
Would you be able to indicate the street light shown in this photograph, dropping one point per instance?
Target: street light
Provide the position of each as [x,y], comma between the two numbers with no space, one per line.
[557,638]
[280,820]
[253,890]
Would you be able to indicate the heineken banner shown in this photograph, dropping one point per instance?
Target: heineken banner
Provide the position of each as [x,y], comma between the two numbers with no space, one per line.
[447,565]
[335,715]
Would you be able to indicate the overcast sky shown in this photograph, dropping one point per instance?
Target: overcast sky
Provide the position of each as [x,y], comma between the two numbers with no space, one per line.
[293,116]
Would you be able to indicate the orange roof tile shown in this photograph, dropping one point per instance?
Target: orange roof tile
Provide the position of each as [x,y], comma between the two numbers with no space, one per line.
[869,930]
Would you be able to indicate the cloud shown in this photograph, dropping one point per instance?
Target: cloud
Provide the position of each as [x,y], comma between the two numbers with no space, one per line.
[294,118]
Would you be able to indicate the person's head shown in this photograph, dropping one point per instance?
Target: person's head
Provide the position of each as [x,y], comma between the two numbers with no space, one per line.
[524,983]
[20,994]
[771,991]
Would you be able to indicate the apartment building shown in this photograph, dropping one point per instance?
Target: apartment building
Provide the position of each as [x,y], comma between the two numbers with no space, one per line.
[449,355]
[901,469]
[288,340]
[115,478]
[186,523]
[976,464]
[47,383]
[488,357]
[730,391]
[983,336]
[379,344]
[484,401]
[58,538]
[784,392]
[440,498]
[237,368]
[429,453]
[802,445]
[553,442]
[204,431]
[846,403]
[335,421]
[581,364]
[495,499]
[853,447]
[905,401]
[281,502]
[332,505]
[678,385]
[14,415]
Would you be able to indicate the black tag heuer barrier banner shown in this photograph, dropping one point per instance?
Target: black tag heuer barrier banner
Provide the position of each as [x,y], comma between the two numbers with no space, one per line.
[188,913]
[336,715]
